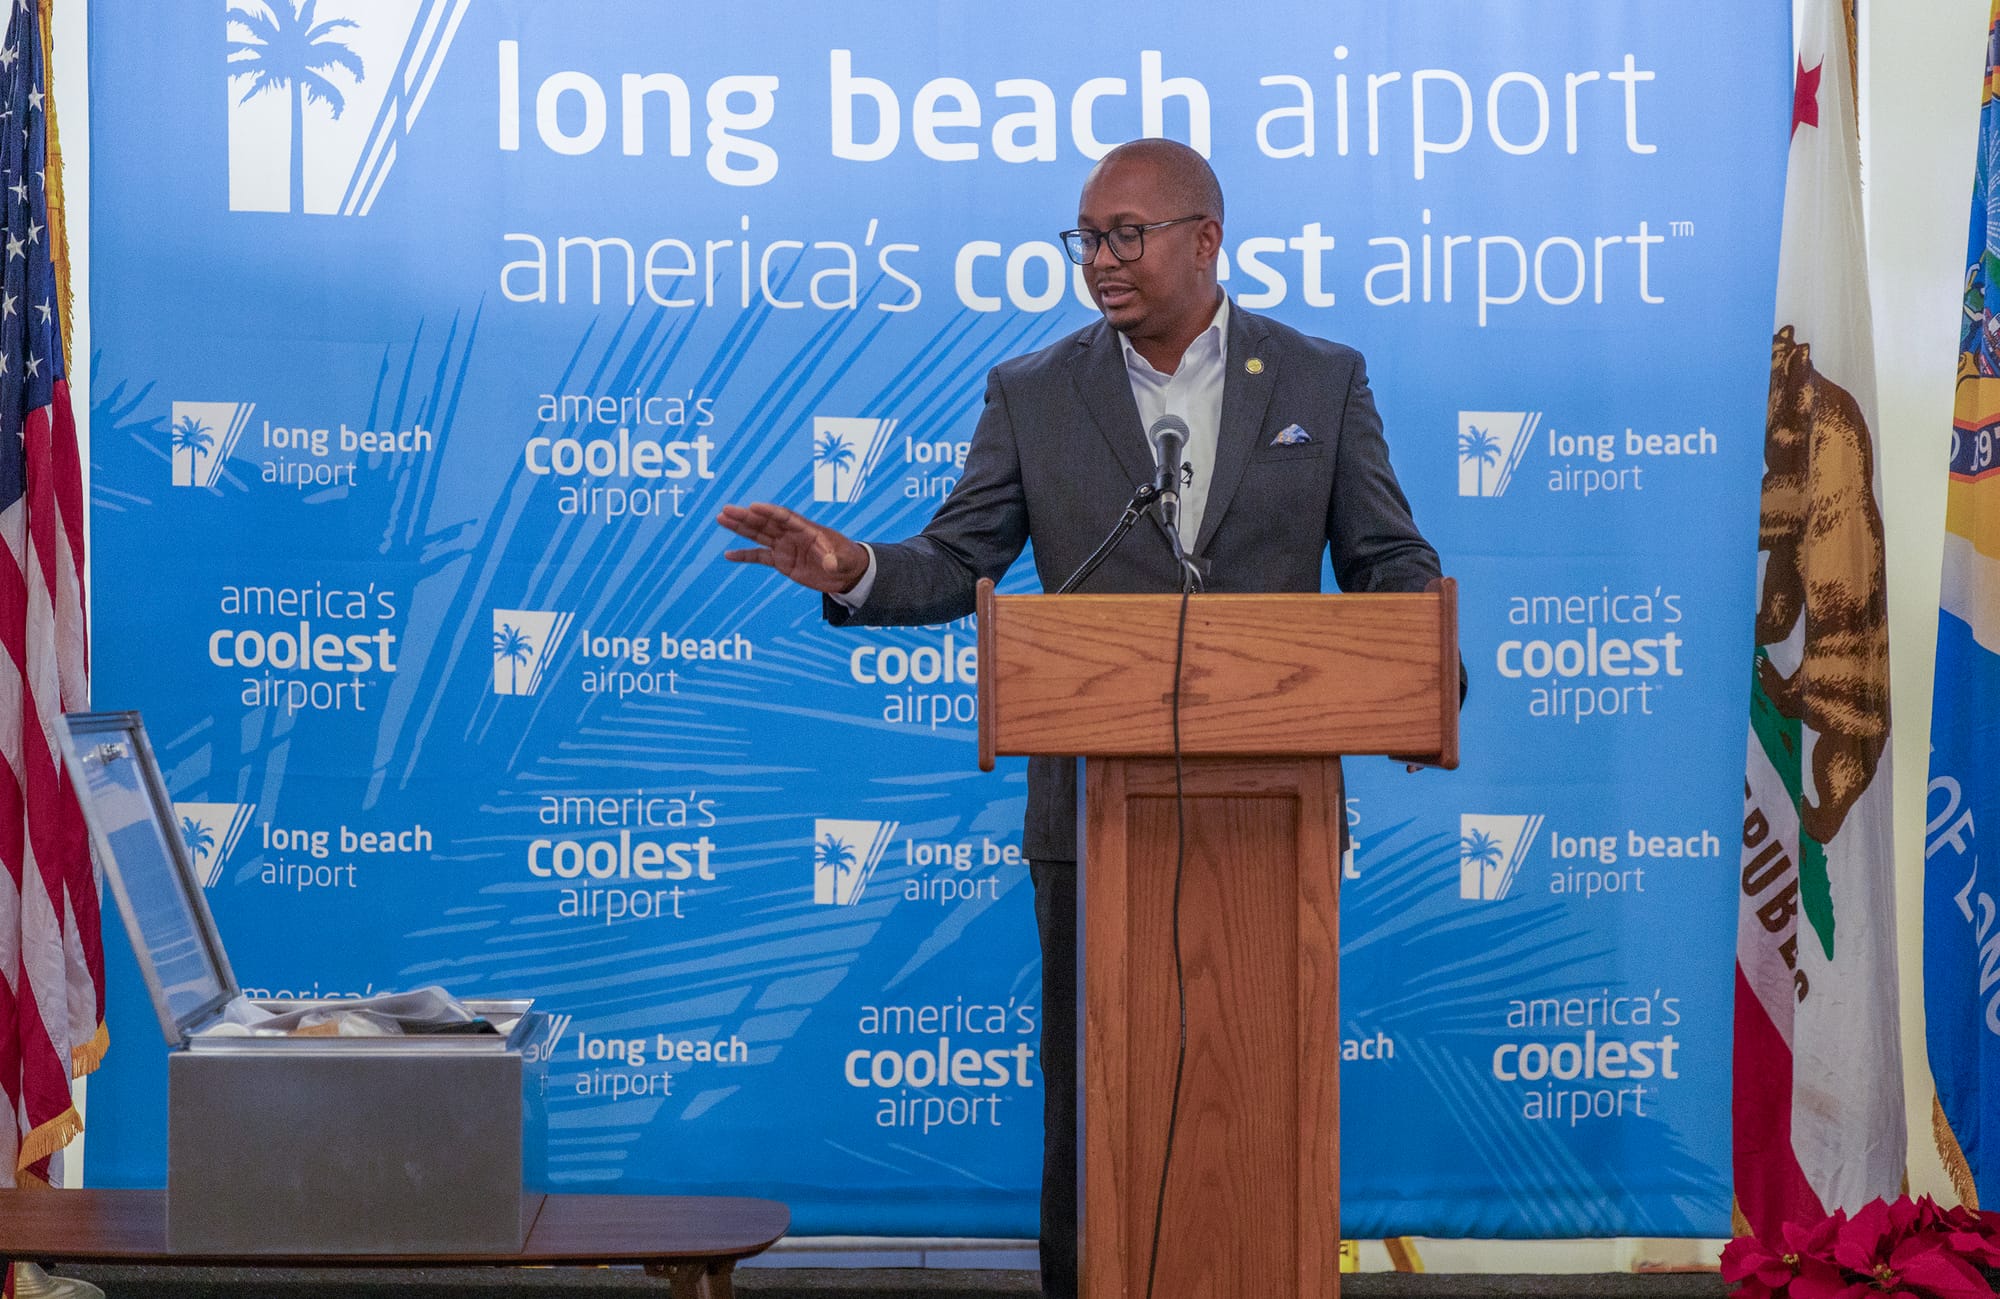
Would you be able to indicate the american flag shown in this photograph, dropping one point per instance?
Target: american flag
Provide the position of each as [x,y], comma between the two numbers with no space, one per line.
[51,953]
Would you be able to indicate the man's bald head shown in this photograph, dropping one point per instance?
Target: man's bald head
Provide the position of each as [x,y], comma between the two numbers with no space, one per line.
[1184,175]
[1159,290]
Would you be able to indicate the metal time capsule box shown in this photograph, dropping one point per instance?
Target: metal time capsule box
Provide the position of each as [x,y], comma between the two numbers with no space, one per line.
[290,1143]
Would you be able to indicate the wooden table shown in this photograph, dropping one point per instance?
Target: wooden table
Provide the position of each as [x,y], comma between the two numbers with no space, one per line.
[693,1241]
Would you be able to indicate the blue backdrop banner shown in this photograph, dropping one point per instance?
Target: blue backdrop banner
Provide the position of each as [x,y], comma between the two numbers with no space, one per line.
[432,334]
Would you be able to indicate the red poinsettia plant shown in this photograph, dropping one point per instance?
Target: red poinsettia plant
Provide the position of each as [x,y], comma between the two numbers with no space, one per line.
[1912,1249]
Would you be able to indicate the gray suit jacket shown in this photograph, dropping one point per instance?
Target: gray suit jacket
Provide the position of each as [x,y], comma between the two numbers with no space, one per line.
[1059,449]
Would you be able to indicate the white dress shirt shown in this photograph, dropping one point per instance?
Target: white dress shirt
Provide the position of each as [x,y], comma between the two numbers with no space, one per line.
[1193,392]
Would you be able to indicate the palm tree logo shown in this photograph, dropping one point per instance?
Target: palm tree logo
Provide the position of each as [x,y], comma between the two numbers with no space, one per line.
[193,437]
[1478,852]
[845,856]
[832,851]
[836,453]
[284,46]
[1479,448]
[511,645]
[199,839]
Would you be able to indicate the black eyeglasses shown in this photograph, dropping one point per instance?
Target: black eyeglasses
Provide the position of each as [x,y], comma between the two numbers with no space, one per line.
[1128,242]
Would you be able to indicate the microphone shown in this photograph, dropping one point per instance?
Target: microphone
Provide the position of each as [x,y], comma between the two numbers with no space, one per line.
[1169,437]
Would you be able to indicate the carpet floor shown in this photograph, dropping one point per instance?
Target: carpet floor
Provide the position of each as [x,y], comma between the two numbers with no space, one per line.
[806,1283]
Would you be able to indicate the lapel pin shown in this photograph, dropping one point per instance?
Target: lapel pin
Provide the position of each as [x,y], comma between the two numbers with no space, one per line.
[1253,366]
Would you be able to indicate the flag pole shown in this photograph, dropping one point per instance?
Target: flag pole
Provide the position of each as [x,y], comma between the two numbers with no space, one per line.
[31,1282]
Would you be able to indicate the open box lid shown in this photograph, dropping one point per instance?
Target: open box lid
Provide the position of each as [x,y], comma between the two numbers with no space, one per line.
[138,845]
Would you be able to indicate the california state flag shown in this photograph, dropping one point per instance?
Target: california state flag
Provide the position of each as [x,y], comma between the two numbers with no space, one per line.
[1818,1076]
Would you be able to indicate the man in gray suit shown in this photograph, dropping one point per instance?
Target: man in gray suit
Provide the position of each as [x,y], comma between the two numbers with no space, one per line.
[1285,456]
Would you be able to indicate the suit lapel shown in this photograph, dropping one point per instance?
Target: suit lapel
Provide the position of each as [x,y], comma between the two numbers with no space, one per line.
[1245,396]
[1101,381]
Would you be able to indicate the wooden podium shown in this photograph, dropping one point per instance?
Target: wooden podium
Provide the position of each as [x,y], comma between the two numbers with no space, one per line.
[1274,688]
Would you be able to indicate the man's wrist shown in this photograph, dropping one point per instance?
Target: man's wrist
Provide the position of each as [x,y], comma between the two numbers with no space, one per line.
[856,595]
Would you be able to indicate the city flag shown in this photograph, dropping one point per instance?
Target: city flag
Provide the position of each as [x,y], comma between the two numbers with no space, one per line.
[1818,1107]
[1961,947]
[51,995]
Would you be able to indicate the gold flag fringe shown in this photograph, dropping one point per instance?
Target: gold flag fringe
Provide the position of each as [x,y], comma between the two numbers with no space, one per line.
[1847,14]
[1953,1155]
[49,1138]
[85,1059]
[52,185]
[1738,1224]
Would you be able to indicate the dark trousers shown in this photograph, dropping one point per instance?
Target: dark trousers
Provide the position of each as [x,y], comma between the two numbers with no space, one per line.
[1055,923]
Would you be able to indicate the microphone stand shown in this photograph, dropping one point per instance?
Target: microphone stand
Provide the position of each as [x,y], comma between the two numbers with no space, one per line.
[1191,578]
[1135,509]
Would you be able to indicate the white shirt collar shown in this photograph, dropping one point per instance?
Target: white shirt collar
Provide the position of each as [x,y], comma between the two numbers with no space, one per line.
[1219,327]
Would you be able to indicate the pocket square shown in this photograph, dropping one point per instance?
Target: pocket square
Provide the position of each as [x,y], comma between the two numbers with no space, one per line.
[1290,436]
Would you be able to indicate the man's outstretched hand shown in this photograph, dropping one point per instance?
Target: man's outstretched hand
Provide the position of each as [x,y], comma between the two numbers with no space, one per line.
[804,551]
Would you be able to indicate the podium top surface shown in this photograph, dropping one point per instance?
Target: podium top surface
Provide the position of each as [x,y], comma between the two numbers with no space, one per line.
[1262,675]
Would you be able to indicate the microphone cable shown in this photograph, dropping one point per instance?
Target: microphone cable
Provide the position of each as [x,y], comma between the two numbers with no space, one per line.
[1180,973]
